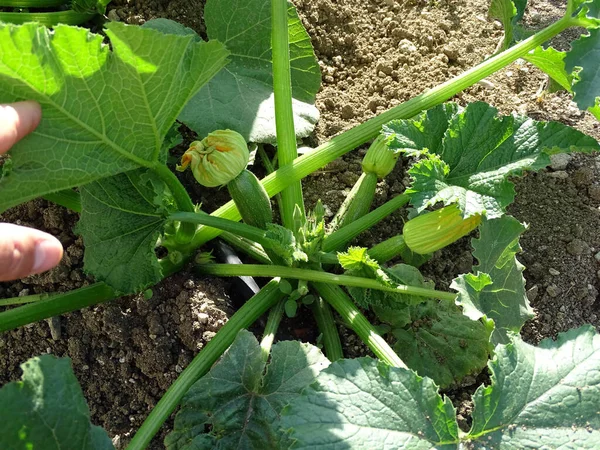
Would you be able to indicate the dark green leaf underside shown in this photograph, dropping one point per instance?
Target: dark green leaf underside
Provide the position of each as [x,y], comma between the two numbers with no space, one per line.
[120,225]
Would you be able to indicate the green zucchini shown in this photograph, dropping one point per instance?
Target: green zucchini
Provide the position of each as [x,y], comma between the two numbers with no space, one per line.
[251,199]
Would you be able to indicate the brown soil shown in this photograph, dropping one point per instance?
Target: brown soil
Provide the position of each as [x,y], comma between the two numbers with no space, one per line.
[373,54]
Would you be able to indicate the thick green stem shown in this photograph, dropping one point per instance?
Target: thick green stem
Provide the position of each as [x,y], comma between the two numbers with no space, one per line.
[336,297]
[182,198]
[358,202]
[258,270]
[32,3]
[67,198]
[47,19]
[201,364]
[250,248]
[56,304]
[326,323]
[241,229]
[270,169]
[284,115]
[275,316]
[349,140]
[341,237]
[388,249]
[23,300]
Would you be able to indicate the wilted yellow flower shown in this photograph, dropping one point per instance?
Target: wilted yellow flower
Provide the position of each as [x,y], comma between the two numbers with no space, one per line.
[434,230]
[217,159]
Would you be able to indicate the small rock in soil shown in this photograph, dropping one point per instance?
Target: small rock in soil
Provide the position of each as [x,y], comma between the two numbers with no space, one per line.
[594,192]
[578,247]
[533,293]
[583,177]
[560,161]
[552,290]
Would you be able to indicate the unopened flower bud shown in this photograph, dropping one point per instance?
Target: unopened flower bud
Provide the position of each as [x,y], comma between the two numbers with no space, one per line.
[380,158]
[217,159]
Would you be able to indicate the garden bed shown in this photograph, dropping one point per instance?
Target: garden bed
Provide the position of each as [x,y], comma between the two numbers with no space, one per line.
[373,55]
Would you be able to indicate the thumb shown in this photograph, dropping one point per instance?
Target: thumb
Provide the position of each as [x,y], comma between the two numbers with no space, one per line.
[16,121]
[26,251]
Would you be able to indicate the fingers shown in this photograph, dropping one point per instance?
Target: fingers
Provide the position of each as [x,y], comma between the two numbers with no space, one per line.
[16,121]
[26,251]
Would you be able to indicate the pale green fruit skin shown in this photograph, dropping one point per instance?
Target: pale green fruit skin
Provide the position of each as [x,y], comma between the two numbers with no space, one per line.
[435,230]
[217,159]
[380,159]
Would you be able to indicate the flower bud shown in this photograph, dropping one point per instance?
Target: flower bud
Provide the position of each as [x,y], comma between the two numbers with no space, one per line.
[434,230]
[380,159]
[217,159]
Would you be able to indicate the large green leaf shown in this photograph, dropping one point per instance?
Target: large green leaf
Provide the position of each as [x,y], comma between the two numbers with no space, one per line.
[104,112]
[477,154]
[504,11]
[497,291]
[46,410]
[120,224]
[240,401]
[585,54]
[241,96]
[443,344]
[541,397]
[509,13]
[423,132]
[365,404]
[552,62]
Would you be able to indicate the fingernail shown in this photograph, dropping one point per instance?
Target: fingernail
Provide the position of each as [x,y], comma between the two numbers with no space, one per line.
[46,256]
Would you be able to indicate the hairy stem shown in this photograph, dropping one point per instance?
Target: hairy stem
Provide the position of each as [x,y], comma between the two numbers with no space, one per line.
[284,115]
[331,337]
[317,276]
[201,364]
[336,297]
[273,321]
[241,229]
[252,249]
[182,198]
[32,3]
[388,249]
[358,202]
[48,19]
[341,237]
[56,304]
[270,169]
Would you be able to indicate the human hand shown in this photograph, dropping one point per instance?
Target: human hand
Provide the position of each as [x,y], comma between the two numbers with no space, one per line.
[23,251]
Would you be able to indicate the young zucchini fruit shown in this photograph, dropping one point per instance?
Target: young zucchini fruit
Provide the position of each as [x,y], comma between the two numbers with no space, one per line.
[376,165]
[435,230]
[220,159]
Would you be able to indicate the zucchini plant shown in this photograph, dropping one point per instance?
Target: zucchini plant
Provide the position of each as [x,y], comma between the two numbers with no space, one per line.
[288,394]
